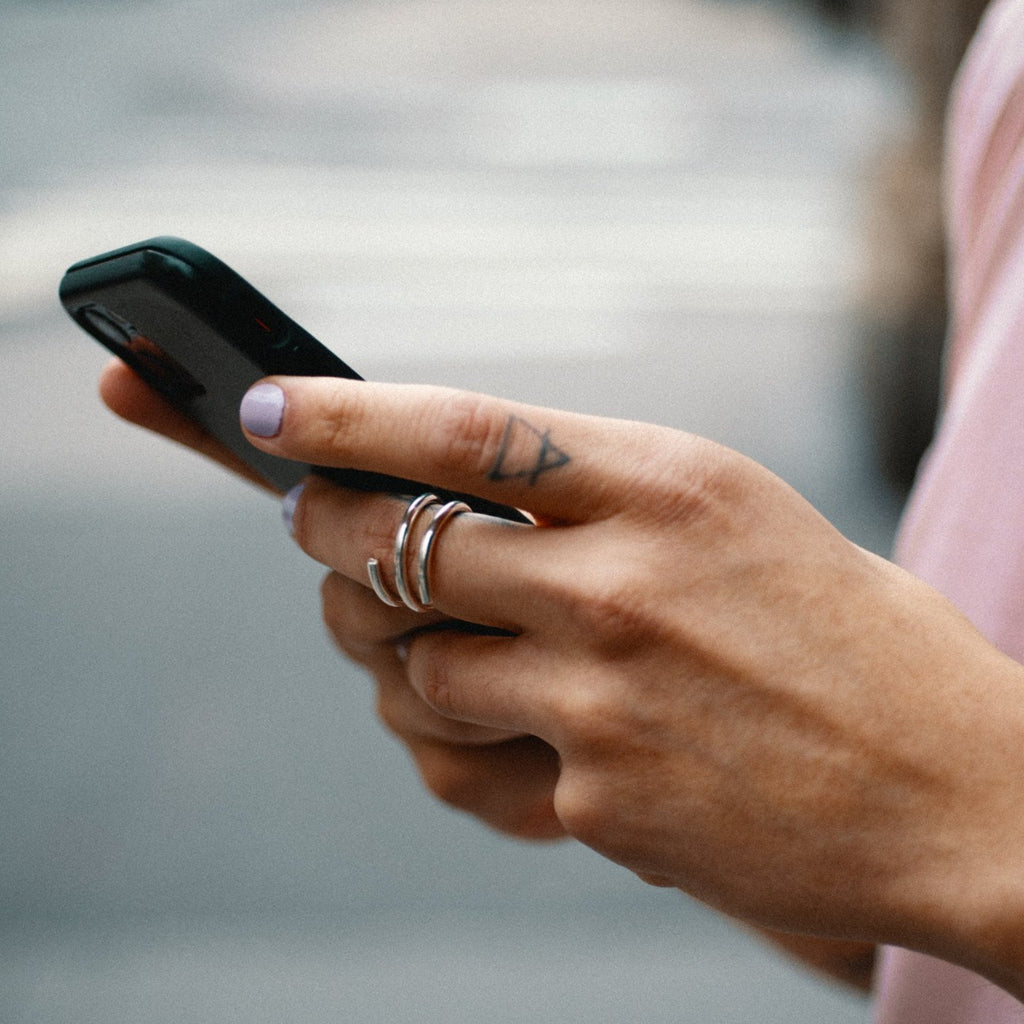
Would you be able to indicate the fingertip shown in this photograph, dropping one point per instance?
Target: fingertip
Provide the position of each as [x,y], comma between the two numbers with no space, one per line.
[289,505]
[127,395]
[116,386]
[262,409]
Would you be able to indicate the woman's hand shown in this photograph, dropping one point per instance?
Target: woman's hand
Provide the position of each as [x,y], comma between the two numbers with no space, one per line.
[705,682]
[505,780]
[734,699]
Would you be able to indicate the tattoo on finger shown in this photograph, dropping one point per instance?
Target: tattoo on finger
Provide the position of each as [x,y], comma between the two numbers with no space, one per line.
[526,453]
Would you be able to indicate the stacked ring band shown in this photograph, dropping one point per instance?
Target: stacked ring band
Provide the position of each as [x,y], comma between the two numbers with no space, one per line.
[412,513]
[442,514]
[424,555]
[373,570]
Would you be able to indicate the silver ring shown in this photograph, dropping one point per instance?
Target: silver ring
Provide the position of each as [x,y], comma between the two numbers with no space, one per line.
[425,552]
[415,507]
[373,571]
[412,513]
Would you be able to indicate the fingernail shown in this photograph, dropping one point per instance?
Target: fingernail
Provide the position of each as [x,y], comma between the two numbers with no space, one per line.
[288,504]
[262,410]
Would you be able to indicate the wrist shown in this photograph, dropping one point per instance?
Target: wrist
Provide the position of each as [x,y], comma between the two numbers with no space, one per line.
[965,903]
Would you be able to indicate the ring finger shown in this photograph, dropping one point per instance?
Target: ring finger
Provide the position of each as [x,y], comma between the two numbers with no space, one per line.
[375,636]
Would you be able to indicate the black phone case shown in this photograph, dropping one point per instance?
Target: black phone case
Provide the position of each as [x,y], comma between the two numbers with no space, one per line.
[201,335]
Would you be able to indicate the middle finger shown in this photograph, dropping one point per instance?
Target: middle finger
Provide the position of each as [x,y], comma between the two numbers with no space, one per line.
[344,529]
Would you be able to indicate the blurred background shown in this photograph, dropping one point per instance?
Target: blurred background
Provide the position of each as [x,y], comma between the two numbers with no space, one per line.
[657,209]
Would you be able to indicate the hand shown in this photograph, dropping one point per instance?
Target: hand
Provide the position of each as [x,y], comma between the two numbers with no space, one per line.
[742,703]
[504,779]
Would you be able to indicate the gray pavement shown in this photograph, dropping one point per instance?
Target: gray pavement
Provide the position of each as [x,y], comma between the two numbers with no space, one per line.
[647,210]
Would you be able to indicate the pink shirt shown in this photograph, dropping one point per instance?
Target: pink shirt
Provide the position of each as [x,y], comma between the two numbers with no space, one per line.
[964,529]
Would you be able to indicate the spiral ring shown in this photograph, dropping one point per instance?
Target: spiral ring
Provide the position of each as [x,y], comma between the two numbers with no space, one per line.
[425,552]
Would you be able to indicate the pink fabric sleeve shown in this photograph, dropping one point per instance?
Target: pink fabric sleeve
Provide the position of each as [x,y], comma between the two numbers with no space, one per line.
[964,528]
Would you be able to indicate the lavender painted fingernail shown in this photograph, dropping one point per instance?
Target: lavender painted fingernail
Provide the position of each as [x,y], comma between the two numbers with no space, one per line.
[262,410]
[288,504]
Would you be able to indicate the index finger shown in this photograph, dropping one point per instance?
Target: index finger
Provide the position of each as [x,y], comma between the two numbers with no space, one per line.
[563,466]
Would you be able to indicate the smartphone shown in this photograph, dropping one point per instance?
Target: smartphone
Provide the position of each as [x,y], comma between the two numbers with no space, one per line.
[201,335]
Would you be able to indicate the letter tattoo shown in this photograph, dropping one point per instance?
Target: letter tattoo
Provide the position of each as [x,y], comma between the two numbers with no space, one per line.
[525,453]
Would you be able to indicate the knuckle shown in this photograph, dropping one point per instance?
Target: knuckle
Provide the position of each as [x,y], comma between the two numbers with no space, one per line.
[615,614]
[451,779]
[434,685]
[581,809]
[594,723]
[613,607]
[682,478]
[335,423]
[468,431]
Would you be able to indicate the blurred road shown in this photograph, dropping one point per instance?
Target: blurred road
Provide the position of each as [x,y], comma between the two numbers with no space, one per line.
[646,209]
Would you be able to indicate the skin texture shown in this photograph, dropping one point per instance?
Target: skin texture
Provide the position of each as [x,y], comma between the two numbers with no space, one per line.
[704,682]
